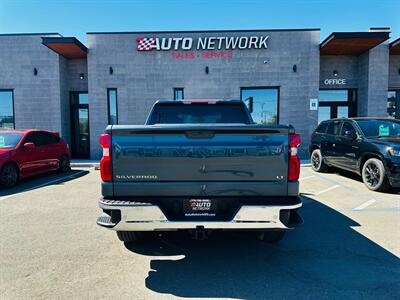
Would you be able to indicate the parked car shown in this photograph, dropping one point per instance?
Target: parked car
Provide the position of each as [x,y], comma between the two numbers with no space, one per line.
[25,153]
[200,166]
[369,147]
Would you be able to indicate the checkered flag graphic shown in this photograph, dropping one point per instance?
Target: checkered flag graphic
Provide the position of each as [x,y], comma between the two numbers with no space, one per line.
[145,44]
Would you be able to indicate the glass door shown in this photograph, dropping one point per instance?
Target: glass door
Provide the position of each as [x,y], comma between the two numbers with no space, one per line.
[80,139]
[393,104]
[337,104]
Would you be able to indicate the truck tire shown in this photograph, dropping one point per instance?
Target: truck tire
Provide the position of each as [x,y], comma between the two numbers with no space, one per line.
[130,236]
[374,175]
[9,175]
[317,161]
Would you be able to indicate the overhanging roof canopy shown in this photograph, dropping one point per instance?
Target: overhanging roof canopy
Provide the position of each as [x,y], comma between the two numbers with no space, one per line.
[395,47]
[352,43]
[69,47]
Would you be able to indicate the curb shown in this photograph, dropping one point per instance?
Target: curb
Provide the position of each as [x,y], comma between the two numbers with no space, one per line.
[85,165]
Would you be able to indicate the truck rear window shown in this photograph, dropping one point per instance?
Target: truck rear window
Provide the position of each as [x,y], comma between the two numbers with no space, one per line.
[179,113]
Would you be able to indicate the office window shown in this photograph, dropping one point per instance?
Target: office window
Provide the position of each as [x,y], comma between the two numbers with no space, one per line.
[178,93]
[112,106]
[393,104]
[265,103]
[6,109]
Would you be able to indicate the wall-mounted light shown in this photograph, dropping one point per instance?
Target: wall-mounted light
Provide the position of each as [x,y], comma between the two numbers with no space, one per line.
[35,71]
[207,70]
[295,68]
[335,73]
[81,76]
[111,70]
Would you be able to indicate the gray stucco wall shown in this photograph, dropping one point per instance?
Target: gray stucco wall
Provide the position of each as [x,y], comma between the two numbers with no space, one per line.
[36,98]
[394,67]
[373,76]
[368,73]
[378,77]
[144,77]
[64,100]
[363,80]
[345,65]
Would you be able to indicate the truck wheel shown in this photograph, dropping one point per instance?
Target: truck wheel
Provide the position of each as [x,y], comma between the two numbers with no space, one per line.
[64,164]
[130,236]
[271,236]
[317,161]
[374,175]
[9,175]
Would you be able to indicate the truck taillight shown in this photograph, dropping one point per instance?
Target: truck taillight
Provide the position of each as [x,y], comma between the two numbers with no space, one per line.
[294,161]
[105,162]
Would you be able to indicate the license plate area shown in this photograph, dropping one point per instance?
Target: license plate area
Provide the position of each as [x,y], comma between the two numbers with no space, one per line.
[199,207]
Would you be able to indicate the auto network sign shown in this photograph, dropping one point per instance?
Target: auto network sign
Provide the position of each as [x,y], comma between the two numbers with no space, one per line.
[202,43]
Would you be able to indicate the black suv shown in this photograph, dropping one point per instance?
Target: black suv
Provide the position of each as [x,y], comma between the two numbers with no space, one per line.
[369,147]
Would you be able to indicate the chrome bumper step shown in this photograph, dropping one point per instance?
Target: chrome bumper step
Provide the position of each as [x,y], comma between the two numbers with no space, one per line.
[138,216]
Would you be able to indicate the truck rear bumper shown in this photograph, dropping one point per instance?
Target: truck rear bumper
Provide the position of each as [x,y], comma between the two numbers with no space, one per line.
[134,216]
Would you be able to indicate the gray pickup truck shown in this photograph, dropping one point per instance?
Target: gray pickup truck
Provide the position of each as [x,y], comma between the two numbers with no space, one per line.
[199,166]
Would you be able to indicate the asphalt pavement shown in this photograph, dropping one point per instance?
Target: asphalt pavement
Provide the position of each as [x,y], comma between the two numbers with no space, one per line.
[51,248]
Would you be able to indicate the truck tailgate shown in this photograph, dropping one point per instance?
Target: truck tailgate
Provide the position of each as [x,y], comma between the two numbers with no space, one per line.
[199,159]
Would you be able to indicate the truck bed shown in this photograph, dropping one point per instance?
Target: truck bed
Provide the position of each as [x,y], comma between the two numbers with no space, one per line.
[199,160]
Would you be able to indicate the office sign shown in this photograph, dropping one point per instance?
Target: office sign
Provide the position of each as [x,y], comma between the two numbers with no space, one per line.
[201,43]
[335,81]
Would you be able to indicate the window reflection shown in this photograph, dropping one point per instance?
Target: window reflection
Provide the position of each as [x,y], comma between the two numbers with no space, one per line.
[324,113]
[342,112]
[6,110]
[112,107]
[393,104]
[178,93]
[265,104]
[333,95]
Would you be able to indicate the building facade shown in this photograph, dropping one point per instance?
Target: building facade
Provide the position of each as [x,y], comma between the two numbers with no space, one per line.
[57,83]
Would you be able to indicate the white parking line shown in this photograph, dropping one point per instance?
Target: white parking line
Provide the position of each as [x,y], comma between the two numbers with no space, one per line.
[365,204]
[326,190]
[42,185]
[307,177]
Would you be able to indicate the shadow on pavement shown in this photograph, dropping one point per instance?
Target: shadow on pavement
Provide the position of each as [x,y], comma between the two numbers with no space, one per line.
[324,258]
[39,181]
[356,177]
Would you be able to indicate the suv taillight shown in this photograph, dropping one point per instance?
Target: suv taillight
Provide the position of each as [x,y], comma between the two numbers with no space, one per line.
[294,161]
[105,162]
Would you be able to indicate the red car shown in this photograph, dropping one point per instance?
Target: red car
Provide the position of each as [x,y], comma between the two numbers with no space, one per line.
[25,153]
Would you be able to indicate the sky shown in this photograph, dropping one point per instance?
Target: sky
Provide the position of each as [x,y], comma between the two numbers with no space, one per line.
[76,17]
